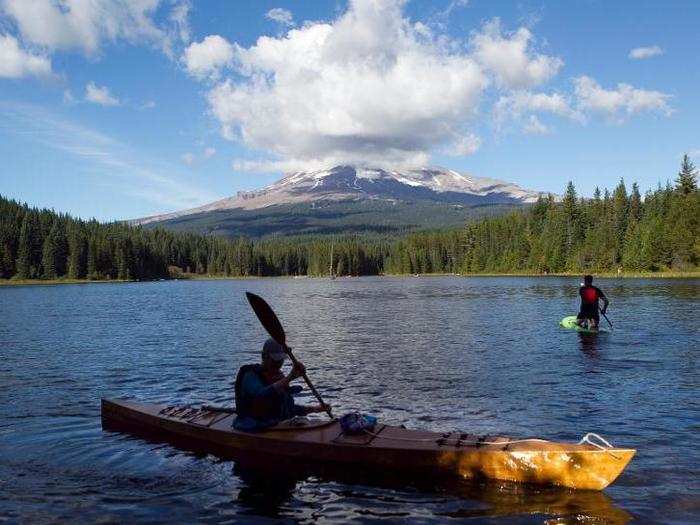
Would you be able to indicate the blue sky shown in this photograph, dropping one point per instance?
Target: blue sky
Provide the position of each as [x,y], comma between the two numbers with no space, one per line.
[124,109]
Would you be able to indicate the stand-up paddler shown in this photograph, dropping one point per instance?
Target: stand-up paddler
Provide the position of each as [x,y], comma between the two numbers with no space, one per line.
[588,315]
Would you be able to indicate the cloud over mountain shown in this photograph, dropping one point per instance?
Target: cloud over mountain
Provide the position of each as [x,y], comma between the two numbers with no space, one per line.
[375,87]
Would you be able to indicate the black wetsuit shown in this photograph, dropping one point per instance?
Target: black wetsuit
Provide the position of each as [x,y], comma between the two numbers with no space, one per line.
[589,302]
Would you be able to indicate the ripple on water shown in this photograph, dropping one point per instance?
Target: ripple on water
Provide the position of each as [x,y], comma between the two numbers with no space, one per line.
[484,355]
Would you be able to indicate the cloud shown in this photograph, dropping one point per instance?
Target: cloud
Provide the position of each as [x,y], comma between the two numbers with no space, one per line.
[86,25]
[148,105]
[16,62]
[179,16]
[373,87]
[640,53]
[68,97]
[620,102]
[208,57]
[282,16]
[464,146]
[100,95]
[116,164]
[209,153]
[188,158]
[534,126]
[367,87]
[514,105]
[509,57]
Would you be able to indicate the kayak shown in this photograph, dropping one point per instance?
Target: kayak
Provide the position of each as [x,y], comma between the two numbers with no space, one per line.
[386,448]
[570,322]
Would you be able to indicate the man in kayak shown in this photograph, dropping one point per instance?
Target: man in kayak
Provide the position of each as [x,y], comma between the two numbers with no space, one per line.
[590,295]
[263,394]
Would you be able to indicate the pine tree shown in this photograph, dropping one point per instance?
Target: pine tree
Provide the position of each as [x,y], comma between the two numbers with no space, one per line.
[91,262]
[50,255]
[77,253]
[687,178]
[27,253]
[635,207]
[620,212]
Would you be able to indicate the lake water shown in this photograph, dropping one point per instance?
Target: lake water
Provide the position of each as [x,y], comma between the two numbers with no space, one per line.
[484,355]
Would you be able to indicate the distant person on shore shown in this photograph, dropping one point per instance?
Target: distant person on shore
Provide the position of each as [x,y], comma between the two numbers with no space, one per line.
[590,296]
[264,397]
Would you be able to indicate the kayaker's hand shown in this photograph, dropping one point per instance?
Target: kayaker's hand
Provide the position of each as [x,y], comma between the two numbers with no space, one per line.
[298,370]
[323,407]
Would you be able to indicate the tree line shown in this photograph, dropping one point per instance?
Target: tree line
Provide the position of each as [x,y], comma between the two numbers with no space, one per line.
[611,231]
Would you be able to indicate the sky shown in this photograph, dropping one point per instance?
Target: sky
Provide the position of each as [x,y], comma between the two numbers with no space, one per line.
[119,109]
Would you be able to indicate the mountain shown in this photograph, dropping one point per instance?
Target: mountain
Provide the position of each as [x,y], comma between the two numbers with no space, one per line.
[351,199]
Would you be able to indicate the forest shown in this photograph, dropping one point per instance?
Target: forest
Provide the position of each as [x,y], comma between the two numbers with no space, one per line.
[610,232]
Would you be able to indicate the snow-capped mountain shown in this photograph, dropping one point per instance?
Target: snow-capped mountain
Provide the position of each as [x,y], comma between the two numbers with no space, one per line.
[348,183]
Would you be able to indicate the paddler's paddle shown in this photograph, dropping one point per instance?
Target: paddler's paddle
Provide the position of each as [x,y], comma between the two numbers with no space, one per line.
[606,318]
[271,323]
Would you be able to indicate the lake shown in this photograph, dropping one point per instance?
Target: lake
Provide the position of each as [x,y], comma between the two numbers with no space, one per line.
[483,354]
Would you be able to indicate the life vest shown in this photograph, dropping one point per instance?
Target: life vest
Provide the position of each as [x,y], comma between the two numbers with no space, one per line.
[589,294]
[260,408]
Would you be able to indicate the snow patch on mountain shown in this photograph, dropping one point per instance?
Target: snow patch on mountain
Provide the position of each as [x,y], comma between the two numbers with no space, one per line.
[342,183]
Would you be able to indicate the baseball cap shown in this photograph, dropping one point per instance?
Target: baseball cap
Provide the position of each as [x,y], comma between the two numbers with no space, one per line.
[273,350]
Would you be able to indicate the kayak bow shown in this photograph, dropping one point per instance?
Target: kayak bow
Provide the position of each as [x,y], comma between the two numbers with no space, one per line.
[577,466]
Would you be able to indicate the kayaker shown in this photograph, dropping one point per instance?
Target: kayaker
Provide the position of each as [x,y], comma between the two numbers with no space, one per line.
[590,296]
[264,396]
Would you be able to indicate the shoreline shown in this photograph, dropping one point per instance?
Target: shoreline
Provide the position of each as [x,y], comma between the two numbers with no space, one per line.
[604,275]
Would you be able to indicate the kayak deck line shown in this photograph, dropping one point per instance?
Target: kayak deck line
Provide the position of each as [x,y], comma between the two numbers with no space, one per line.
[582,465]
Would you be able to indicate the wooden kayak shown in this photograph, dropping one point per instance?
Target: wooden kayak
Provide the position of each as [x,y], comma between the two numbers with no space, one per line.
[388,448]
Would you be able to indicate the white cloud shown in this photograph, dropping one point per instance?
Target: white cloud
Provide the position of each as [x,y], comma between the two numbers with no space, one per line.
[209,153]
[621,102]
[16,62]
[148,105]
[282,16]
[208,57]
[509,57]
[373,87]
[534,126]
[463,146]
[640,53]
[117,164]
[179,16]
[99,95]
[188,158]
[365,88]
[86,24]
[68,97]
[514,105]
[694,153]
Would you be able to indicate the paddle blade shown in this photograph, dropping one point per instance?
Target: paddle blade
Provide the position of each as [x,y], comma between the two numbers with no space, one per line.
[267,317]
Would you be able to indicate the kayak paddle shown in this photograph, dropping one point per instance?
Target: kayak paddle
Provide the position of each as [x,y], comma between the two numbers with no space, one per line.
[271,323]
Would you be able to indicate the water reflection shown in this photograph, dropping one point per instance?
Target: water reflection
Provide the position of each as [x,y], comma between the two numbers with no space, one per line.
[268,490]
[589,344]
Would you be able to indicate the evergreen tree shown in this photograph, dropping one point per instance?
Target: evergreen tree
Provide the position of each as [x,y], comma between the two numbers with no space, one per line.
[50,254]
[687,178]
[27,250]
[77,253]
[635,206]
[620,213]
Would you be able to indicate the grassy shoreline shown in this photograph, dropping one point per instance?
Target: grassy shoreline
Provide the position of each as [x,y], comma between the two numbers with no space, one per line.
[694,274]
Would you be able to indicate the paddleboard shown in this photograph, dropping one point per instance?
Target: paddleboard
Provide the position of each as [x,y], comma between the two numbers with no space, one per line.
[570,323]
